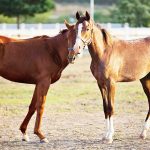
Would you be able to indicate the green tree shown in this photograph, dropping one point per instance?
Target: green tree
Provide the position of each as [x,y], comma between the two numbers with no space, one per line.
[18,8]
[135,12]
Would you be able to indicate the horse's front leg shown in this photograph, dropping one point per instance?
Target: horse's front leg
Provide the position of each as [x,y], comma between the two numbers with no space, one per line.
[103,90]
[42,89]
[110,109]
[108,92]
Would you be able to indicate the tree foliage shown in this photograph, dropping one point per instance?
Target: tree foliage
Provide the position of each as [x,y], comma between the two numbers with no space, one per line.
[135,12]
[97,2]
[17,8]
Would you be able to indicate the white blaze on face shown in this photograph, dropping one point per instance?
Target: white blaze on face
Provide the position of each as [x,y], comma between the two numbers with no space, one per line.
[78,41]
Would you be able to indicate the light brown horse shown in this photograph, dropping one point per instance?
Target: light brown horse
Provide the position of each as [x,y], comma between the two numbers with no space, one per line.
[38,61]
[113,60]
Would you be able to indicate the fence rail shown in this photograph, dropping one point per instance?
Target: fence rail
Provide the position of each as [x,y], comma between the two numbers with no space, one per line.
[30,30]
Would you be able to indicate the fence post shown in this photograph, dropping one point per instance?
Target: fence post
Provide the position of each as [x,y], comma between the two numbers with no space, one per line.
[109,26]
[4,26]
[126,27]
[57,27]
[40,26]
[22,26]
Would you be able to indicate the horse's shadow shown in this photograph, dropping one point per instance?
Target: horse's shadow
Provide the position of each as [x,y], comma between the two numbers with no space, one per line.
[74,144]
[58,143]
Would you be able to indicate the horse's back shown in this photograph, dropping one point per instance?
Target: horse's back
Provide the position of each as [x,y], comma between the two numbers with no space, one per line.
[134,59]
[4,39]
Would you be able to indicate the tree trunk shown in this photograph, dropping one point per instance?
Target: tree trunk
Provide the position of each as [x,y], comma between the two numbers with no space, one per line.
[18,22]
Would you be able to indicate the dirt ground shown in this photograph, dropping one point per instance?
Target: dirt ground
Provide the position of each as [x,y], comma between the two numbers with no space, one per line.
[76,125]
[74,131]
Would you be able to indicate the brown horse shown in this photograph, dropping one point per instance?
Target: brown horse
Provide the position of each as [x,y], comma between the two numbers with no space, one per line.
[38,61]
[113,60]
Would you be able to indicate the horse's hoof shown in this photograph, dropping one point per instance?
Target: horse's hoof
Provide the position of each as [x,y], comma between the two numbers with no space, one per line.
[104,138]
[109,141]
[25,138]
[45,140]
[142,136]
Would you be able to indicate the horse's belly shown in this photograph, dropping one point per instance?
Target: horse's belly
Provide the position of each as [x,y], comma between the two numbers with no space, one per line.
[20,79]
[132,74]
[17,76]
[19,71]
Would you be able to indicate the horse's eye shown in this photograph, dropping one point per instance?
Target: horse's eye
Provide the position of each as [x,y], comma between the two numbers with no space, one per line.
[87,29]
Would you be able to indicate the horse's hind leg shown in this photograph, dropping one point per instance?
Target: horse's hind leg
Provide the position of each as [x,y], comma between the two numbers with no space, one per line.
[146,86]
[31,111]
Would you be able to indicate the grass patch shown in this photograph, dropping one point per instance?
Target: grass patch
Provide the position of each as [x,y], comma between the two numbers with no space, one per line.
[76,90]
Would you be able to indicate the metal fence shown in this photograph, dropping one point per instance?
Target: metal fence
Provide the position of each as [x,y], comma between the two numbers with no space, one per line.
[30,30]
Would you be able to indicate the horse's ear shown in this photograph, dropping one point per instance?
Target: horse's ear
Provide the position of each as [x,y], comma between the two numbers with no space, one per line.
[68,25]
[87,16]
[77,15]
[107,37]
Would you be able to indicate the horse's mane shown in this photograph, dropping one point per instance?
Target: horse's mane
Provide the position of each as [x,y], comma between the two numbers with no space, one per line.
[41,36]
[63,31]
[98,25]
[106,35]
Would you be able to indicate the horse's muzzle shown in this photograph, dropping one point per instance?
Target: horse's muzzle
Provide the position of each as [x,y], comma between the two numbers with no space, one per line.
[71,59]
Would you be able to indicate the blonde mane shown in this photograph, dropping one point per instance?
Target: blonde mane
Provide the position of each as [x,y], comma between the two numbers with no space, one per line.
[108,39]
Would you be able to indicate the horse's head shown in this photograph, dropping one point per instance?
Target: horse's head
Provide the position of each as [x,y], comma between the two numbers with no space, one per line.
[71,36]
[84,27]
[79,36]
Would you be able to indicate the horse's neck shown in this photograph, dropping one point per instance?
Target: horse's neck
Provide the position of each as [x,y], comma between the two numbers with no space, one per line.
[60,44]
[97,46]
